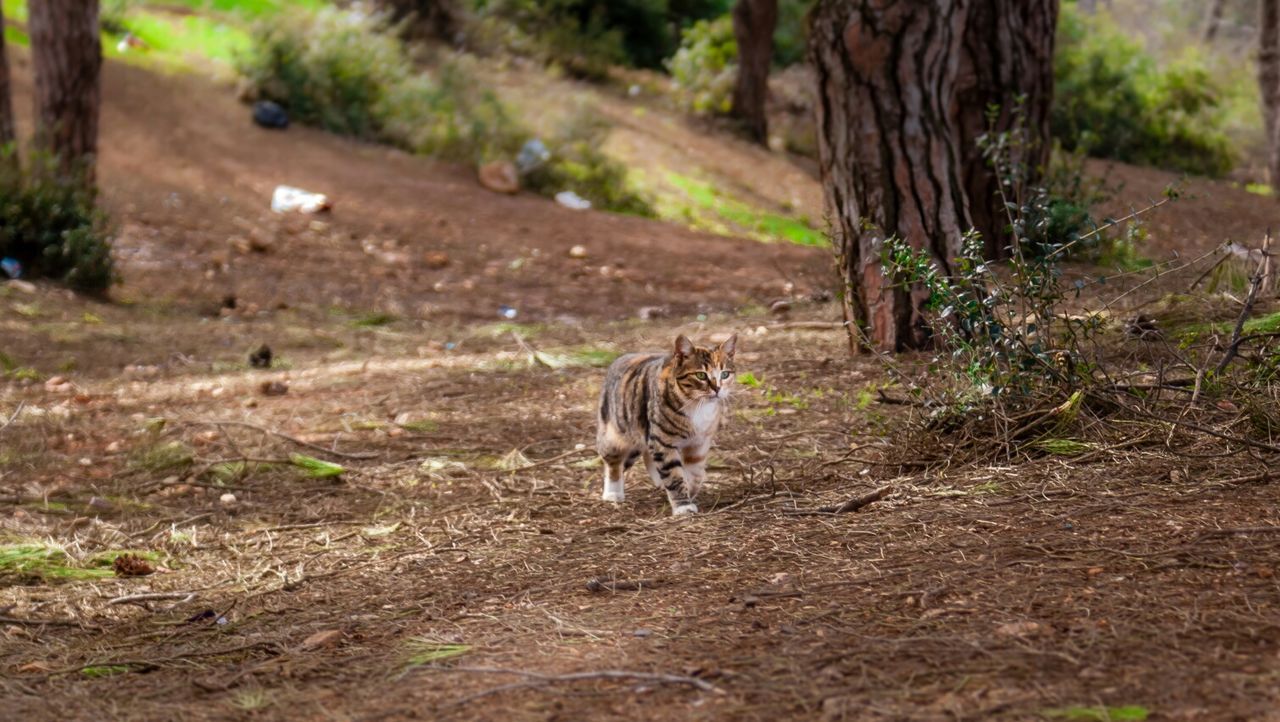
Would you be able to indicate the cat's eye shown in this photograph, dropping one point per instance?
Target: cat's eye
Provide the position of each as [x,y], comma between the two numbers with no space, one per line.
[724,374]
[701,376]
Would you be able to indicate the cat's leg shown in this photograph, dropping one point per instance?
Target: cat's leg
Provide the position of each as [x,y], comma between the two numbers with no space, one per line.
[618,456]
[672,477]
[695,466]
[615,486]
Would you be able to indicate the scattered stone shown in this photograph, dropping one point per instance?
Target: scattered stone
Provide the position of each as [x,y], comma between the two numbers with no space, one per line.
[23,286]
[287,198]
[270,115]
[228,500]
[578,252]
[572,200]
[261,359]
[97,502]
[651,313]
[58,385]
[500,177]
[322,639]
[273,388]
[1019,629]
[435,260]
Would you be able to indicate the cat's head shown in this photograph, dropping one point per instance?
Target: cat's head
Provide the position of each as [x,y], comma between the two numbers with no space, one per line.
[704,373]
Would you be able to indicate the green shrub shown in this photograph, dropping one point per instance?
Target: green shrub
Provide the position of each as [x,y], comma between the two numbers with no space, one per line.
[586,36]
[1113,100]
[348,74]
[705,67]
[790,39]
[577,164]
[51,225]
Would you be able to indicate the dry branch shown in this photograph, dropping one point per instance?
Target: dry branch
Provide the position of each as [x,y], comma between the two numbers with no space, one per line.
[853,504]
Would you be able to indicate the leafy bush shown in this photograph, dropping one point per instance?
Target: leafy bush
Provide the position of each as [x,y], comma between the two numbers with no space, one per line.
[790,39]
[705,67]
[577,164]
[586,36]
[1113,100]
[51,226]
[347,74]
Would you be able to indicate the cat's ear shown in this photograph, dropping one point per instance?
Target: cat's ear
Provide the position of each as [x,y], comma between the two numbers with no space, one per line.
[684,347]
[729,346]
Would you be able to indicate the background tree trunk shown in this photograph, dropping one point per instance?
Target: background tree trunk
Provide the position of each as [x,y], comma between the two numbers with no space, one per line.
[67,57]
[7,132]
[888,152]
[1269,81]
[1007,64]
[753,24]
[1214,22]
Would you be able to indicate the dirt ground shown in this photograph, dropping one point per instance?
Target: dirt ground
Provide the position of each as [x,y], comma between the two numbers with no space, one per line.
[463,567]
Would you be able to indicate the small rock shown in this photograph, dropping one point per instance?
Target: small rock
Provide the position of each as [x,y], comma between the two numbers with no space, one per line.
[261,359]
[578,252]
[23,286]
[321,639]
[113,447]
[650,313]
[58,385]
[642,633]
[97,502]
[270,115]
[228,499]
[1019,629]
[436,260]
[273,388]
[780,578]
[500,177]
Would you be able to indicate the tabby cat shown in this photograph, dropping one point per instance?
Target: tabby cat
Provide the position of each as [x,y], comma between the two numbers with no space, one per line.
[667,408]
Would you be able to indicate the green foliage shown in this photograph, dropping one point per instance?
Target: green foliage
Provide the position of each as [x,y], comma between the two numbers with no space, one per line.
[705,67]
[1127,713]
[578,164]
[49,222]
[348,74]
[315,468]
[790,39]
[587,36]
[34,561]
[1113,100]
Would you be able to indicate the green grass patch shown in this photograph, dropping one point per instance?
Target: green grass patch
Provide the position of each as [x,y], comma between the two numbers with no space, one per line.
[1259,189]
[426,651]
[702,205]
[749,379]
[1062,447]
[162,456]
[374,320]
[1127,713]
[42,562]
[315,468]
[106,670]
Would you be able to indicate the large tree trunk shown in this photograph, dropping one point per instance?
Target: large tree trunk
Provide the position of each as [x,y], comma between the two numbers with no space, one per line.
[1007,65]
[753,25]
[67,56]
[888,148]
[7,133]
[1269,81]
[1214,23]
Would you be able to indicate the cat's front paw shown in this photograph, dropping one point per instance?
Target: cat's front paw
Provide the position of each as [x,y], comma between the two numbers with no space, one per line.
[683,509]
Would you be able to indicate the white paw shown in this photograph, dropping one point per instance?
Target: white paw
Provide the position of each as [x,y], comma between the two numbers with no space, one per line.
[684,509]
[614,495]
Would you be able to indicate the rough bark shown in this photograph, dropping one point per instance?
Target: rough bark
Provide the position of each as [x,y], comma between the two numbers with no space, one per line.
[753,24]
[7,132]
[1006,67]
[1269,81]
[888,148]
[1214,23]
[67,59]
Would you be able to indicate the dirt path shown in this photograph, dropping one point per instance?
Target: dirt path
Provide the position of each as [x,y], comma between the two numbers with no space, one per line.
[468,541]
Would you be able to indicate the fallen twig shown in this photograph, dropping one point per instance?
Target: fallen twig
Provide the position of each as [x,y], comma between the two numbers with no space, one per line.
[1255,283]
[596,584]
[46,622]
[13,416]
[536,679]
[152,596]
[286,437]
[853,504]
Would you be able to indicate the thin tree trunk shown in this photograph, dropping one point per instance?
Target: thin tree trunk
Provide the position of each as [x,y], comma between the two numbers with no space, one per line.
[753,24]
[67,56]
[7,132]
[1214,23]
[1005,84]
[886,72]
[1269,81]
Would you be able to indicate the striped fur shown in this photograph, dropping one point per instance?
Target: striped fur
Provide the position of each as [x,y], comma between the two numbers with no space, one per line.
[665,408]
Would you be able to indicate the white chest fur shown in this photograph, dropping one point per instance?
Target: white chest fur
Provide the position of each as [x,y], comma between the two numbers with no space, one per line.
[704,417]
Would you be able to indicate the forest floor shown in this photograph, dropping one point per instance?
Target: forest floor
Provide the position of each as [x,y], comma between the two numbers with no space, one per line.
[463,566]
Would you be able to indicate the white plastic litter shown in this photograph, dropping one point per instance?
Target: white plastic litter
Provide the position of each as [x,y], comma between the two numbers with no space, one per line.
[569,199]
[288,198]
